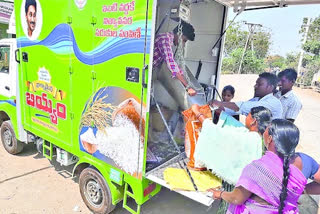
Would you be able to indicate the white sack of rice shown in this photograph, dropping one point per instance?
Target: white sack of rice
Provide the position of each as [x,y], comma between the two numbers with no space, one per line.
[135,104]
[122,144]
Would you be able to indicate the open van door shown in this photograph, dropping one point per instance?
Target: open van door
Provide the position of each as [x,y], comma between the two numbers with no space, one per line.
[202,64]
[203,58]
[7,69]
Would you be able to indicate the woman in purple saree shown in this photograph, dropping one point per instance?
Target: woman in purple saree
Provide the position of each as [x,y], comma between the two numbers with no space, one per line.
[271,184]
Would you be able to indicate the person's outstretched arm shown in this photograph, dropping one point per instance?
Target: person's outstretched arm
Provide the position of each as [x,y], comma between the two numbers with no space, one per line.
[166,49]
[238,196]
[231,105]
[196,110]
[313,188]
[182,79]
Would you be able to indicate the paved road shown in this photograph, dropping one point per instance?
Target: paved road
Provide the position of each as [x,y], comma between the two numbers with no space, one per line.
[29,184]
[308,122]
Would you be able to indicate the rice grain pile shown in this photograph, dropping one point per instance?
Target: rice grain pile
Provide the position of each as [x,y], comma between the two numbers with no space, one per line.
[122,143]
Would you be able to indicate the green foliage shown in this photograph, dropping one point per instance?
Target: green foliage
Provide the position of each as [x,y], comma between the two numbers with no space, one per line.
[312,46]
[292,60]
[276,61]
[235,38]
[311,60]
[257,49]
[250,64]
[307,58]
[262,43]
[312,68]
[231,64]
[314,30]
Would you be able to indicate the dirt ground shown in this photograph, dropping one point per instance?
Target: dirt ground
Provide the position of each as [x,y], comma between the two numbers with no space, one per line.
[30,184]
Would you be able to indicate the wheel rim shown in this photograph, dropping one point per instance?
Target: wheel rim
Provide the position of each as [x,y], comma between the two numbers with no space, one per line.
[93,193]
[7,137]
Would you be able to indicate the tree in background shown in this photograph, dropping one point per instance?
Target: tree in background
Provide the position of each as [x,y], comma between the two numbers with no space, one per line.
[257,50]
[262,42]
[257,60]
[275,62]
[311,60]
[292,60]
[235,38]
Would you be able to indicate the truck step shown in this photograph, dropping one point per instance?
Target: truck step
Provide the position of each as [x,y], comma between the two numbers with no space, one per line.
[47,150]
[125,200]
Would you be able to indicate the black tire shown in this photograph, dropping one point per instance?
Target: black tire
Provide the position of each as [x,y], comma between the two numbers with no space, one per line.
[9,140]
[95,192]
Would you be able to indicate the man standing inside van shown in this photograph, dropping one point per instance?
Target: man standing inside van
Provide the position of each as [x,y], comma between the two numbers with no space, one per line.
[163,52]
[31,15]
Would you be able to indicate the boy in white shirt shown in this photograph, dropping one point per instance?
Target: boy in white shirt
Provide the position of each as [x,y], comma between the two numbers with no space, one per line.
[290,102]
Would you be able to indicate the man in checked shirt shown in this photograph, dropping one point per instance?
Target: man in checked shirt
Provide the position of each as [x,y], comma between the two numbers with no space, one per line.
[163,52]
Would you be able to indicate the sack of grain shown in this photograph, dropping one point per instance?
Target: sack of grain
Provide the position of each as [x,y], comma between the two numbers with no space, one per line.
[132,110]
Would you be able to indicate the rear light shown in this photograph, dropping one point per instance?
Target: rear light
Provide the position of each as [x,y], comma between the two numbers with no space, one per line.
[149,189]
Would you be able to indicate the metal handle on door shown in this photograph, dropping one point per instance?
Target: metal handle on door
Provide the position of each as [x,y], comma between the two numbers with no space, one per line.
[7,87]
[145,68]
[16,54]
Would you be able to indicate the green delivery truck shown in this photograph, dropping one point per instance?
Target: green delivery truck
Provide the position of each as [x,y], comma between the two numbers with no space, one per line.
[78,81]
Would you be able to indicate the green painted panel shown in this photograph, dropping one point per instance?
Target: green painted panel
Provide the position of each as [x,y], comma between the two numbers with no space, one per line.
[80,80]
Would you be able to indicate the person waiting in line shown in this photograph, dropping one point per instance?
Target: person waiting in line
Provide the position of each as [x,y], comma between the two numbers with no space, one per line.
[258,119]
[310,169]
[290,102]
[227,95]
[163,52]
[263,96]
[271,184]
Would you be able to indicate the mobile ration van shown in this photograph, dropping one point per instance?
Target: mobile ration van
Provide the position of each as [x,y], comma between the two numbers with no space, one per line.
[81,89]
[83,84]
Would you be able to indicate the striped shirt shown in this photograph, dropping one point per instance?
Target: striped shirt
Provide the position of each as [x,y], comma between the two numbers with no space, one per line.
[163,52]
[290,103]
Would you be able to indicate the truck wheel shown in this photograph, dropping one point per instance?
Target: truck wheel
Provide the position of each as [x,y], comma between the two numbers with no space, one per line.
[95,192]
[9,140]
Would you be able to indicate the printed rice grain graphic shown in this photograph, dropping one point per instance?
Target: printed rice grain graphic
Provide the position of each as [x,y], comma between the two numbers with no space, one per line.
[97,115]
[132,110]
[114,131]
